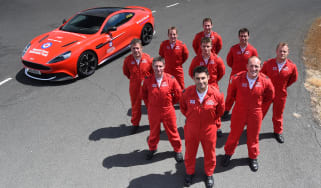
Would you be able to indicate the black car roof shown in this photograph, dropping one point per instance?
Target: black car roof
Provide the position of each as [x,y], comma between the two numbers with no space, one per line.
[101,11]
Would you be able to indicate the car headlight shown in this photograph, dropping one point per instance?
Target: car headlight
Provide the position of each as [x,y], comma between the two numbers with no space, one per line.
[61,57]
[25,49]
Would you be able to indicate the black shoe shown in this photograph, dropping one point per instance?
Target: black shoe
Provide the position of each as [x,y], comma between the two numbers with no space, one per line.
[219,133]
[254,165]
[279,137]
[188,180]
[150,154]
[179,157]
[209,181]
[134,129]
[226,160]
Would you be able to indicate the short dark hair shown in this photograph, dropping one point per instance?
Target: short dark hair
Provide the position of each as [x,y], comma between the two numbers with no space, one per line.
[244,30]
[206,40]
[135,41]
[207,20]
[282,44]
[158,58]
[200,69]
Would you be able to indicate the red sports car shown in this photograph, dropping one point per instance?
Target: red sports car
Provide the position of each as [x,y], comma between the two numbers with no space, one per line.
[86,40]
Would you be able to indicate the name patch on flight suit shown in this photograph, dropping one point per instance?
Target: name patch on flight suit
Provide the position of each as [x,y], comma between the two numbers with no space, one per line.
[247,52]
[144,61]
[285,68]
[244,84]
[258,84]
[210,102]
[202,63]
[177,48]
[211,62]
[192,101]
[154,85]
[164,84]
[133,62]
[168,47]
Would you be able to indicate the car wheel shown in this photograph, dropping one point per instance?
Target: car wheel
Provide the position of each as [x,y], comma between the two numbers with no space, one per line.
[147,34]
[87,64]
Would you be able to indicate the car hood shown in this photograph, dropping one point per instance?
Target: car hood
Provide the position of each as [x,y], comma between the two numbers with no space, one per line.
[48,46]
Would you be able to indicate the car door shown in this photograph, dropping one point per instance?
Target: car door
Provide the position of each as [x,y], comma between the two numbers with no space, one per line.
[120,38]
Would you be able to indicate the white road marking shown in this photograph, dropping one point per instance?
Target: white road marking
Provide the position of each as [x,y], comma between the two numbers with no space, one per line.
[4,81]
[172,5]
[153,11]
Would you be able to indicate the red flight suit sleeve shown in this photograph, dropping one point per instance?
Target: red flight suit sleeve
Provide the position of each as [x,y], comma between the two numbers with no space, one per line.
[220,69]
[185,53]
[221,105]
[144,92]
[161,50]
[125,68]
[294,76]
[196,44]
[219,44]
[176,91]
[231,93]
[182,103]
[269,92]
[229,58]
[192,67]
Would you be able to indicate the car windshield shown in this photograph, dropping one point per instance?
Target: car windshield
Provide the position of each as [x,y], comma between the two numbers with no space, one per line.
[84,24]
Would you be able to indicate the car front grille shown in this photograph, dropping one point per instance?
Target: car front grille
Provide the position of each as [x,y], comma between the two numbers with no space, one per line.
[35,65]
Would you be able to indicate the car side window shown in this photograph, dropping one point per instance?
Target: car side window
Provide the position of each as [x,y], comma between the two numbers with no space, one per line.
[118,20]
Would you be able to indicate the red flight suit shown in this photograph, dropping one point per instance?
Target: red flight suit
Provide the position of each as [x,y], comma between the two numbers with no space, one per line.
[238,60]
[217,43]
[247,110]
[216,69]
[136,73]
[281,80]
[174,59]
[200,126]
[159,102]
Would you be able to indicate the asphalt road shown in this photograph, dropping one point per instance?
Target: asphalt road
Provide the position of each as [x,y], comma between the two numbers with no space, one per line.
[76,134]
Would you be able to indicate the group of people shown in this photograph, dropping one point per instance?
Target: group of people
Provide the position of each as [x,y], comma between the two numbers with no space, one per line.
[253,87]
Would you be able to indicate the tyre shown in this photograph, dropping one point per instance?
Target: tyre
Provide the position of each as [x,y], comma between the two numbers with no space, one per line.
[147,34]
[87,64]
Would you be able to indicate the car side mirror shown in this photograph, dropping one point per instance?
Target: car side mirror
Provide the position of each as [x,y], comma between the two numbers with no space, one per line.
[110,29]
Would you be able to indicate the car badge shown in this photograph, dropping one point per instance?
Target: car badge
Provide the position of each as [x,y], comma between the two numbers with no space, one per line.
[46,45]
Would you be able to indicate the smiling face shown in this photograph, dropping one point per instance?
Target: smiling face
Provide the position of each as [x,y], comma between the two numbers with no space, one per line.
[253,67]
[206,48]
[201,81]
[172,36]
[207,26]
[244,38]
[282,53]
[158,67]
[136,50]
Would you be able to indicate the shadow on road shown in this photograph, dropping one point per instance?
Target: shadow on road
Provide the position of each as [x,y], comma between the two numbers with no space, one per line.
[234,163]
[169,178]
[143,110]
[115,132]
[22,78]
[135,158]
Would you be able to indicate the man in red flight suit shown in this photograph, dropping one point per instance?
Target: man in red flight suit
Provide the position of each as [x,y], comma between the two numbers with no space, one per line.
[238,56]
[136,67]
[251,90]
[283,73]
[208,32]
[215,66]
[175,54]
[202,104]
[160,92]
